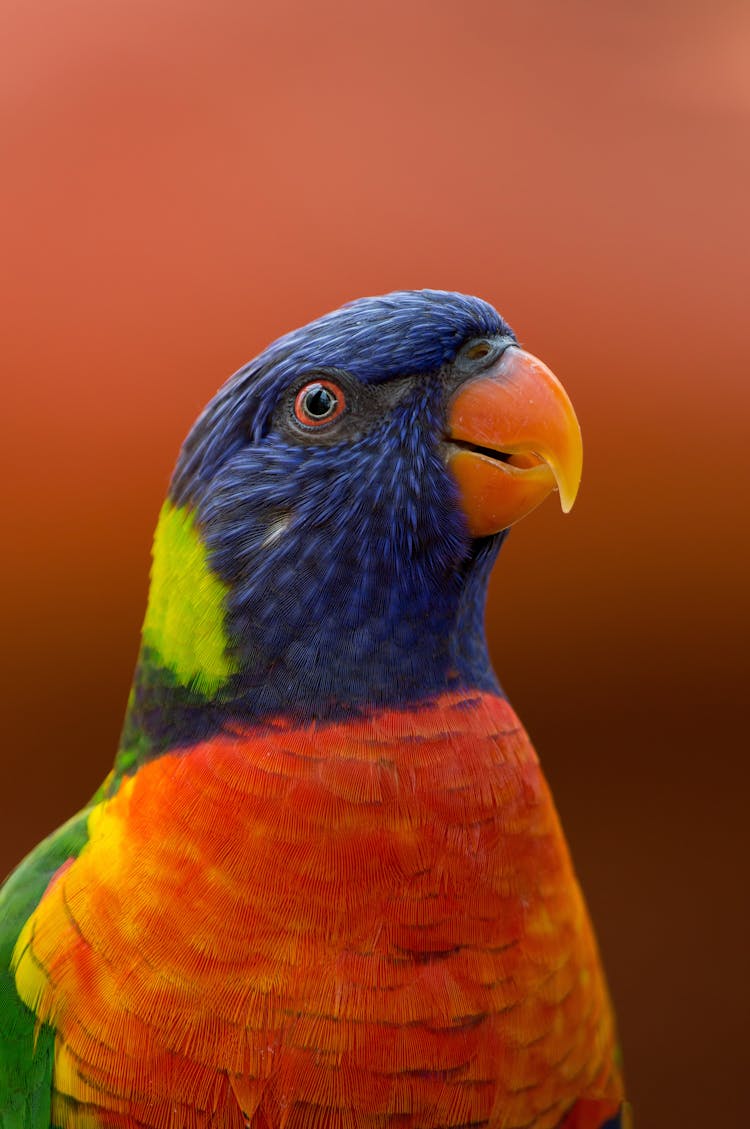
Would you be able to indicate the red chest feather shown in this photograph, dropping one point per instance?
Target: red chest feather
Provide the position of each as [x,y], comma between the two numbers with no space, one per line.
[367,924]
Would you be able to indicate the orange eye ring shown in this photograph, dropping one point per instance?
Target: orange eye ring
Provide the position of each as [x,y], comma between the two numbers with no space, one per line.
[318,403]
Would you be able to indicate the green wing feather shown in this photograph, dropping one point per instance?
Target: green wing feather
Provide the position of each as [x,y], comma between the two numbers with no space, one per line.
[26,1054]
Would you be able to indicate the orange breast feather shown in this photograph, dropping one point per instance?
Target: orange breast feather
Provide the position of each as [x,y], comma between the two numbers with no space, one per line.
[356,926]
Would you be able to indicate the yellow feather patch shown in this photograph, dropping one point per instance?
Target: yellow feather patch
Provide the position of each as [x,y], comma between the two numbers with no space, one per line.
[184,622]
[31,979]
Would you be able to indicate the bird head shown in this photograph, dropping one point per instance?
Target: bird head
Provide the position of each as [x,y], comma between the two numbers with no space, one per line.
[335,512]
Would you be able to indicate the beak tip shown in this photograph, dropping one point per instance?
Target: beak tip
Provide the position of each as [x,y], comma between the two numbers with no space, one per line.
[568,492]
[568,469]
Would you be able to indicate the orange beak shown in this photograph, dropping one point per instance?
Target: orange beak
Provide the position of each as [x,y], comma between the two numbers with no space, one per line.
[513,438]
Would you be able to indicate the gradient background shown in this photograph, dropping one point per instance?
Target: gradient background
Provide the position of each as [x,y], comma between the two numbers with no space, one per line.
[184,181]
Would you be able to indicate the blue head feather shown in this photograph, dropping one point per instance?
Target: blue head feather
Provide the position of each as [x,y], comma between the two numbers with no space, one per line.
[407,333]
[352,581]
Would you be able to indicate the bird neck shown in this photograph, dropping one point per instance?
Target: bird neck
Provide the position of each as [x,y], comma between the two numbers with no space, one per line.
[216,655]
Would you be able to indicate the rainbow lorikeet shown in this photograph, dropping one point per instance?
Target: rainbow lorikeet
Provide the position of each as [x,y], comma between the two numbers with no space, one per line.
[324,886]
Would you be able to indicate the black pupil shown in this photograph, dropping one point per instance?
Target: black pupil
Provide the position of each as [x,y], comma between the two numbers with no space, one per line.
[319,402]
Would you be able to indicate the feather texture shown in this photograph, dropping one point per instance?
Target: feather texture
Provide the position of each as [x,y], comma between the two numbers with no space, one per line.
[366,924]
[324,885]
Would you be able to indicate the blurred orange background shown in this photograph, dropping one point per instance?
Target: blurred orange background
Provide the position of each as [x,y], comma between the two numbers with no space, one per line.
[184,181]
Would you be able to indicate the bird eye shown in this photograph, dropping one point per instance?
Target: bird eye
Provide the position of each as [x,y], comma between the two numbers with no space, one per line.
[478,350]
[319,402]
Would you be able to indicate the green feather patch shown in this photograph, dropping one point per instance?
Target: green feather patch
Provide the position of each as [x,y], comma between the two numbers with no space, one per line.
[27,1048]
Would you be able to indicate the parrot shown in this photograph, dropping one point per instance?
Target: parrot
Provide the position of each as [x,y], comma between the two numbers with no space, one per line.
[324,885]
